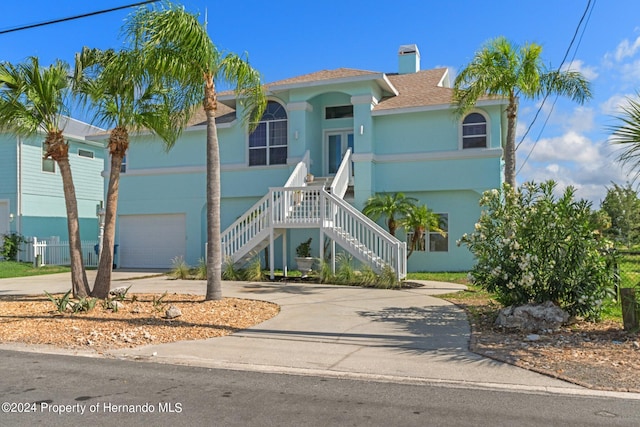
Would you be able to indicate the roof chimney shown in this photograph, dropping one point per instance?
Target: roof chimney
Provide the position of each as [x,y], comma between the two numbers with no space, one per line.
[408,59]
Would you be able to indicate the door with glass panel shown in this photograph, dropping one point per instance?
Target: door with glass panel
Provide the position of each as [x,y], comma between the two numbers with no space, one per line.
[337,144]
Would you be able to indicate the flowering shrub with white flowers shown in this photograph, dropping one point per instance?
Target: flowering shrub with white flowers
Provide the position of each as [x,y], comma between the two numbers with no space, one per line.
[532,247]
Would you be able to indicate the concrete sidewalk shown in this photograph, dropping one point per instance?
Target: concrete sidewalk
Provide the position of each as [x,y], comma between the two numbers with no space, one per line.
[394,335]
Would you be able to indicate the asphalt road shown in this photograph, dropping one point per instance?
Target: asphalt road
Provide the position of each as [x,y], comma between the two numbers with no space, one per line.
[54,390]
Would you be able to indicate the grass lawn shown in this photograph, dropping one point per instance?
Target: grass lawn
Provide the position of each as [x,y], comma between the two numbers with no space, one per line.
[446,276]
[21,269]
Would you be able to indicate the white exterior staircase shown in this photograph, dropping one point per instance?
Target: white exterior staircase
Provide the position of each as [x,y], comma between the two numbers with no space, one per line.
[316,205]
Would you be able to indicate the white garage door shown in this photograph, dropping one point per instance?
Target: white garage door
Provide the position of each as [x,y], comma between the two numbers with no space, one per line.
[151,241]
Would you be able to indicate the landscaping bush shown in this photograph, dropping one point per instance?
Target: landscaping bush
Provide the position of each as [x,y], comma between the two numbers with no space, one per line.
[11,246]
[532,247]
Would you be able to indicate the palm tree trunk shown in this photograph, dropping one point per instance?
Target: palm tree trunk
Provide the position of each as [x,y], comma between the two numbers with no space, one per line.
[214,250]
[510,144]
[102,285]
[79,282]
[392,226]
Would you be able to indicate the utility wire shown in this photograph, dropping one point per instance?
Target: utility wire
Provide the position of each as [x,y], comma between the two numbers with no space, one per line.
[71,18]
[557,96]
[587,14]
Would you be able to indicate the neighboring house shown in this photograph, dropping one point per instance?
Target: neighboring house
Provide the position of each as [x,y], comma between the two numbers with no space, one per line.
[371,131]
[31,194]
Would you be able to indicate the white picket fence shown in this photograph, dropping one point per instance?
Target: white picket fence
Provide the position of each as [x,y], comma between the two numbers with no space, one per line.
[53,251]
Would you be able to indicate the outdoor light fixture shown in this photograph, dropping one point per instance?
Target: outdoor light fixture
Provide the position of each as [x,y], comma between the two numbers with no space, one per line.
[361,129]
[11,216]
[100,213]
[295,134]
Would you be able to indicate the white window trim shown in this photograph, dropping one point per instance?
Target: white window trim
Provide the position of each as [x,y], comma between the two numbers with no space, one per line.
[488,134]
[248,149]
[93,155]
[424,241]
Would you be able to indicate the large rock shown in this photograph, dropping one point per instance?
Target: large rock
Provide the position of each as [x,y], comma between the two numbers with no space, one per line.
[532,318]
[173,312]
[119,292]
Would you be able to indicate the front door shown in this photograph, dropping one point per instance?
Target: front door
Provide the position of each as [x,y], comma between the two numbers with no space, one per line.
[337,144]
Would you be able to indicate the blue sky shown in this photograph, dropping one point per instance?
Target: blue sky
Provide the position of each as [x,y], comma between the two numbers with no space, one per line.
[289,38]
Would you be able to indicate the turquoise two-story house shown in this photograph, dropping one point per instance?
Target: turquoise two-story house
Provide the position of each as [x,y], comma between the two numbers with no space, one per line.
[328,141]
[31,193]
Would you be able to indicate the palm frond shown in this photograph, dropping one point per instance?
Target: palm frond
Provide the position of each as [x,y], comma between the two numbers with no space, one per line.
[627,133]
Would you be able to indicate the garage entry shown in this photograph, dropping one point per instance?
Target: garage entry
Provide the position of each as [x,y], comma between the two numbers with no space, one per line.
[151,241]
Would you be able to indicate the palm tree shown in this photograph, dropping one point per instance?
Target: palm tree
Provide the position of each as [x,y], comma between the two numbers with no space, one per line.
[627,132]
[503,69]
[391,206]
[419,219]
[33,99]
[179,46]
[142,101]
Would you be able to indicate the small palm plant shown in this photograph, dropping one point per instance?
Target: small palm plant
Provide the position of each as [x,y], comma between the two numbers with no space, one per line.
[420,219]
[391,206]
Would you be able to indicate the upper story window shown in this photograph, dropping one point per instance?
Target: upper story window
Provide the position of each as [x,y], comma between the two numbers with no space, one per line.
[474,131]
[85,153]
[268,143]
[48,165]
[339,112]
[123,166]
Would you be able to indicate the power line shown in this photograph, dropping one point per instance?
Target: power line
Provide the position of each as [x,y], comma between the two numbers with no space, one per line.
[71,18]
[588,10]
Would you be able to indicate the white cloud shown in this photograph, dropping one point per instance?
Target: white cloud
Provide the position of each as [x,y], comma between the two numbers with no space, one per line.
[581,120]
[613,105]
[571,146]
[631,71]
[626,49]
[588,72]
[572,159]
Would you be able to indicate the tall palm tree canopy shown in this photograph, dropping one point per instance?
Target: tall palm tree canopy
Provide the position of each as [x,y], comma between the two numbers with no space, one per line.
[33,98]
[506,70]
[178,46]
[145,99]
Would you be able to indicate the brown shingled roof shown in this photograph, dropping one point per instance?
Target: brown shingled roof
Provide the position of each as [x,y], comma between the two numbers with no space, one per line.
[339,73]
[420,89]
[417,90]
[224,114]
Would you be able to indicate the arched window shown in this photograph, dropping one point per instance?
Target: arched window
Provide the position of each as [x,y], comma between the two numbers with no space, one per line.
[268,143]
[474,131]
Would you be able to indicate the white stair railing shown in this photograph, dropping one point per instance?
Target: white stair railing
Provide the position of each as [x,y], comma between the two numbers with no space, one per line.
[362,237]
[299,174]
[340,181]
[253,226]
[246,229]
[306,207]
[298,206]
